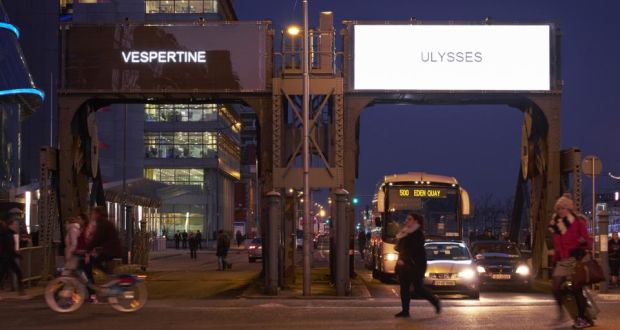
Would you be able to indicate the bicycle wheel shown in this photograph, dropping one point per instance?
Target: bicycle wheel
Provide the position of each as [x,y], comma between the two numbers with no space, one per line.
[131,298]
[65,294]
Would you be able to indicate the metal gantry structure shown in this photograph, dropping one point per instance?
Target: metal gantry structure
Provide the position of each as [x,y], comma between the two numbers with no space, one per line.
[333,136]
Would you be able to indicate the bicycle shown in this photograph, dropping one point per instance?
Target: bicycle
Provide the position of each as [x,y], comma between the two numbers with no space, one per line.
[67,293]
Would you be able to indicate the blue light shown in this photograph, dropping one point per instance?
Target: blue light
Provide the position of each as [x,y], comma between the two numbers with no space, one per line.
[23,91]
[11,27]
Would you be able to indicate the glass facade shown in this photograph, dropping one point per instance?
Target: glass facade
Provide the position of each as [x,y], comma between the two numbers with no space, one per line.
[166,113]
[180,144]
[176,176]
[181,217]
[180,6]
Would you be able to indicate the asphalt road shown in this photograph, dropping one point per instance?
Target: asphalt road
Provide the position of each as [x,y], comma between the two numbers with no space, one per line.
[505,313]
[190,294]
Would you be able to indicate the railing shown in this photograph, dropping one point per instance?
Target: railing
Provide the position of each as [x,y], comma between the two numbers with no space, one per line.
[322,57]
[31,263]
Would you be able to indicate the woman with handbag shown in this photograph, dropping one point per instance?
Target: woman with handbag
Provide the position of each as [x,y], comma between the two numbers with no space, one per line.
[411,264]
[571,243]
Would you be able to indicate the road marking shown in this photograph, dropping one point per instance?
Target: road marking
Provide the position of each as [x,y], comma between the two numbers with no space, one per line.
[394,292]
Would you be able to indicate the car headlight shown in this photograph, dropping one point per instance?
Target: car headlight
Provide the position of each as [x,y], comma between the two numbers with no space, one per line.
[523,270]
[481,269]
[391,257]
[426,274]
[467,274]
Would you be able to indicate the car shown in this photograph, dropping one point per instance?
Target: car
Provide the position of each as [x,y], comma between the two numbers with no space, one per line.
[255,250]
[501,263]
[451,269]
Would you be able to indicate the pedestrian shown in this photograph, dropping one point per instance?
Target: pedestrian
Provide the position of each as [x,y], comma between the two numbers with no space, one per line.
[614,257]
[411,264]
[73,229]
[193,245]
[105,244]
[85,263]
[239,238]
[223,244]
[487,235]
[361,241]
[8,252]
[199,239]
[177,240]
[571,243]
[184,239]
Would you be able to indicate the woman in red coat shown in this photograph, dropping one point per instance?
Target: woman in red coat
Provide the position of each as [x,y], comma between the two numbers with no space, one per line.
[571,242]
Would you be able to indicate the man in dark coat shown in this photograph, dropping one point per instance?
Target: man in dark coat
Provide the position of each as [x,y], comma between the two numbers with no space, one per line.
[193,245]
[177,240]
[8,254]
[199,239]
[184,239]
[223,244]
[411,264]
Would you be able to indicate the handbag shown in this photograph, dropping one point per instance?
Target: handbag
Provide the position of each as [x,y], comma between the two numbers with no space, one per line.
[588,271]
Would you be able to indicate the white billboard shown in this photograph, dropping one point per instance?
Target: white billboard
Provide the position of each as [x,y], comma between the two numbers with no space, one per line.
[452,57]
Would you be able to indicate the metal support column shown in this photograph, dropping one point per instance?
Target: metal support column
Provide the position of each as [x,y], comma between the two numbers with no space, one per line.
[271,278]
[603,227]
[342,243]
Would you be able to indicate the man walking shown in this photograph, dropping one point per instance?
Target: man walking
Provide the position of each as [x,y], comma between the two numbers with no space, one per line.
[184,239]
[8,253]
[193,245]
[177,239]
[223,244]
[199,239]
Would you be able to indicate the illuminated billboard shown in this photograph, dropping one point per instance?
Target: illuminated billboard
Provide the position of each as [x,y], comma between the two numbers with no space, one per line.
[167,57]
[452,57]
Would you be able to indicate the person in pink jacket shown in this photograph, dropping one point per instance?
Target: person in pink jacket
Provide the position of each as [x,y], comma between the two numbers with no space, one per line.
[571,243]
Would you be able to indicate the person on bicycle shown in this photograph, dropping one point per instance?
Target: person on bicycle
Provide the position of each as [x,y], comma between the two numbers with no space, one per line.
[105,244]
[571,242]
[73,230]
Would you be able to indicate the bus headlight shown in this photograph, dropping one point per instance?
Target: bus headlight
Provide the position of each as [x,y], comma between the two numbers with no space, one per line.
[467,274]
[481,269]
[523,270]
[391,257]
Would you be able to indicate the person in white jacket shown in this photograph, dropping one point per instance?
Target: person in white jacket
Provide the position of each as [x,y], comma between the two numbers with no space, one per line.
[74,229]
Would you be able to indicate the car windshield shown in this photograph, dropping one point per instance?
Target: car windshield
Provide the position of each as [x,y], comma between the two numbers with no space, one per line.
[257,241]
[501,248]
[446,251]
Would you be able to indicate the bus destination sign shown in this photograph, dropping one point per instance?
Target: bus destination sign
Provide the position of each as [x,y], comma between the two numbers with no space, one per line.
[421,192]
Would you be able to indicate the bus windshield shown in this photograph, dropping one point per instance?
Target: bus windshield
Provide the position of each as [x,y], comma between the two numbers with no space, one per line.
[438,206]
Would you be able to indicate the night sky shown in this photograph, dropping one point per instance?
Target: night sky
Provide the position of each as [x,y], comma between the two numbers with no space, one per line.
[480,144]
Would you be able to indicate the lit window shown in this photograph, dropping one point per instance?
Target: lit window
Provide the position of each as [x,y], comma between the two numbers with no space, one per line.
[180,6]
[180,144]
[176,176]
[180,112]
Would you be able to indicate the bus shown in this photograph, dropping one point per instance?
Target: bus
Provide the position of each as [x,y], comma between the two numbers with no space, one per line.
[439,199]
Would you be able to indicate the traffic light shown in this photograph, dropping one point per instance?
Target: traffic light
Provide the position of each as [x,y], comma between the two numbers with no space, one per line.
[355,200]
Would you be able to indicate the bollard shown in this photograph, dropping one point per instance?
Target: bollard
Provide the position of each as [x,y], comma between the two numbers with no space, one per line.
[603,227]
[342,243]
[271,278]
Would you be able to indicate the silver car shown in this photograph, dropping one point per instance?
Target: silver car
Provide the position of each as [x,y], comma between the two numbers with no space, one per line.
[451,269]
[255,250]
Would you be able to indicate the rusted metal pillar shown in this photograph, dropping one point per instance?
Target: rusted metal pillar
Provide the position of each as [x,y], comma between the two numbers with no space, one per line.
[342,243]
[272,243]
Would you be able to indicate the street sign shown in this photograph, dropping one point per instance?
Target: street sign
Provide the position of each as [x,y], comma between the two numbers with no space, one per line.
[591,165]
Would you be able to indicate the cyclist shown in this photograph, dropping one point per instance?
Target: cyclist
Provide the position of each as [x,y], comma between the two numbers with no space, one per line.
[105,244]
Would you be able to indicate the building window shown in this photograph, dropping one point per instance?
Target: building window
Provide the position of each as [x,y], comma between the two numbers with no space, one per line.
[176,176]
[180,144]
[180,6]
[180,217]
[180,112]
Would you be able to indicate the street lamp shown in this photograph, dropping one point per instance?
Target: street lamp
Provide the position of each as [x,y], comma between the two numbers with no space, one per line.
[293,30]
[322,213]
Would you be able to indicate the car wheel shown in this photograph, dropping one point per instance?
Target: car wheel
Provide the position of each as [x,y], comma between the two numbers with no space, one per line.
[252,260]
[475,295]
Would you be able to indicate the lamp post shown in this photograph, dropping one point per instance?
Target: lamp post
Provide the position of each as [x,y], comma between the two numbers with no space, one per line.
[306,152]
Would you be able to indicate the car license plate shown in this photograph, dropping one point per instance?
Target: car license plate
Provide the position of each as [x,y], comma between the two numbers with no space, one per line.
[444,283]
[500,276]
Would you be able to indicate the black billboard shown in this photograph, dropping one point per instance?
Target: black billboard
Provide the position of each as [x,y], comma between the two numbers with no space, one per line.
[166,57]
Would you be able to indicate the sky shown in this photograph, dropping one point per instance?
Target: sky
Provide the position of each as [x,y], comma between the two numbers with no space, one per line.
[479,145]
